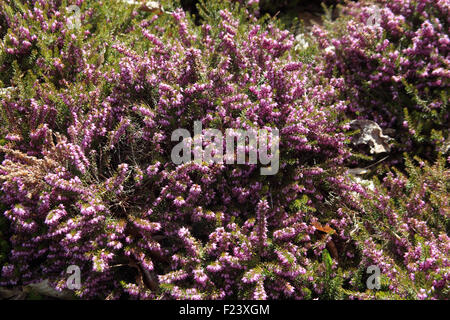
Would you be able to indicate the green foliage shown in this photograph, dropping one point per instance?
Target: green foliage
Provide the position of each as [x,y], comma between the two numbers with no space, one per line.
[332,280]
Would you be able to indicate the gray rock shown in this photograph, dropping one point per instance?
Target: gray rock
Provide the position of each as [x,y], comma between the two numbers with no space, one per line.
[371,135]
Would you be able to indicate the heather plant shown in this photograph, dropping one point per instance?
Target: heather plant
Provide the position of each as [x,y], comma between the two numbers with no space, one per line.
[404,231]
[42,38]
[88,180]
[87,177]
[401,229]
[394,58]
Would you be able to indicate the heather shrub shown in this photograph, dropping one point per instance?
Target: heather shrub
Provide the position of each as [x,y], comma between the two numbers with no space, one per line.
[88,179]
[395,72]
[404,230]
[43,40]
[87,176]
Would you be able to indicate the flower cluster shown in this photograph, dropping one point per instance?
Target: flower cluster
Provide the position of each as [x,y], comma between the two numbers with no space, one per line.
[87,177]
[396,70]
[407,218]
[89,181]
